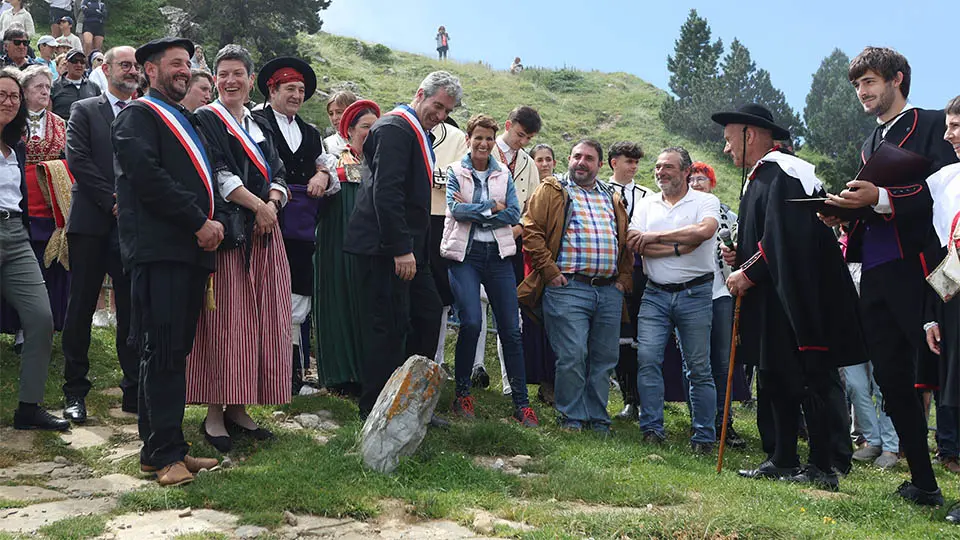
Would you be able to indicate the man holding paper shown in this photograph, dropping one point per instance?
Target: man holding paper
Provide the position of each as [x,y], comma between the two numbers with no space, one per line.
[897,245]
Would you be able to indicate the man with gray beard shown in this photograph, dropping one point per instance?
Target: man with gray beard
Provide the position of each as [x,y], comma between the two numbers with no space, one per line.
[92,234]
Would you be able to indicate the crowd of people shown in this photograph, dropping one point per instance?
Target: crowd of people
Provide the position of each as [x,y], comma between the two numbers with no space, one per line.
[233,232]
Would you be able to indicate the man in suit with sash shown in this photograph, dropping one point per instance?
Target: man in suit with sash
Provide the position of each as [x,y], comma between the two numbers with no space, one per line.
[168,243]
[92,235]
[389,229]
[895,241]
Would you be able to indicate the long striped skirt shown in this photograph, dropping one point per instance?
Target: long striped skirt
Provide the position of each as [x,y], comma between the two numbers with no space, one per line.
[242,354]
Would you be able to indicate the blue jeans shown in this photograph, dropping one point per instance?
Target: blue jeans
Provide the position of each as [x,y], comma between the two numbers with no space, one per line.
[483,264]
[690,312]
[876,425]
[583,328]
[948,418]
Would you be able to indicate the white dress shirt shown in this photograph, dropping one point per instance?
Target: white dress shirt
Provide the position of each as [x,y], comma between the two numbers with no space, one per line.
[630,193]
[655,214]
[289,129]
[509,154]
[227,181]
[10,195]
[114,100]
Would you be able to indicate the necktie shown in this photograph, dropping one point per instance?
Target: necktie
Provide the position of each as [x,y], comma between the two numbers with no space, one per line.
[121,104]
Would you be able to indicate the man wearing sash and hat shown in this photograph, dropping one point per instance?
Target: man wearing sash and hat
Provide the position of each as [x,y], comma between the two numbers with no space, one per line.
[389,229]
[894,239]
[168,242]
[799,319]
[289,82]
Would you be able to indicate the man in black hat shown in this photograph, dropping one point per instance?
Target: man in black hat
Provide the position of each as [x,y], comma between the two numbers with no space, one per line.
[168,242]
[289,82]
[73,86]
[798,318]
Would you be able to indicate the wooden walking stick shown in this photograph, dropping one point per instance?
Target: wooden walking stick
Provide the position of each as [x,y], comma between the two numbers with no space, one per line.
[734,341]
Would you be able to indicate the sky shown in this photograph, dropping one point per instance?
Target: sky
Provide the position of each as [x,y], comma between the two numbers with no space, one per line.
[788,39]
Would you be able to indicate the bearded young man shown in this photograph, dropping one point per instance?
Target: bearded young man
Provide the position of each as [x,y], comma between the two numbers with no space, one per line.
[896,243]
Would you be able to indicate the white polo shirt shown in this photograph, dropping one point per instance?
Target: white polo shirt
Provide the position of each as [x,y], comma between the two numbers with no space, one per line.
[653,214]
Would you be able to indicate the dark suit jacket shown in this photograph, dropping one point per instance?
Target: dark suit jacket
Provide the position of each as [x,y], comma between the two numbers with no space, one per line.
[90,159]
[392,212]
[21,150]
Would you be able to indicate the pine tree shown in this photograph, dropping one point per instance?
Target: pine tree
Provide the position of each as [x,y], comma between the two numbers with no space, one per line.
[836,124]
[695,57]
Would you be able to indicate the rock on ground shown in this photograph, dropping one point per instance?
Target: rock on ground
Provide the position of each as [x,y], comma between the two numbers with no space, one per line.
[112,484]
[30,518]
[398,422]
[16,440]
[87,437]
[484,523]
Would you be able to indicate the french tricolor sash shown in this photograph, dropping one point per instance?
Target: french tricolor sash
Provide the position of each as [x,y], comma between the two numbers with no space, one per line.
[234,128]
[426,148]
[181,128]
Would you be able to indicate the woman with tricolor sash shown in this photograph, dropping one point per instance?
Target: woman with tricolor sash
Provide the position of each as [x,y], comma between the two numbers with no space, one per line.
[241,354]
[338,312]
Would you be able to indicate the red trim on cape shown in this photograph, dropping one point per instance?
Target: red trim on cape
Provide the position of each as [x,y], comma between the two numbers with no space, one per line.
[818,348]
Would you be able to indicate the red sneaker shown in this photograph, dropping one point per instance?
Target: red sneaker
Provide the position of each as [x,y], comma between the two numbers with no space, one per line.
[526,417]
[463,407]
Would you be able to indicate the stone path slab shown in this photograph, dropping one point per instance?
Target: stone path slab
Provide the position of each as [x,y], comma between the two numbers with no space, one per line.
[80,437]
[29,493]
[30,518]
[167,524]
[16,440]
[123,451]
[111,484]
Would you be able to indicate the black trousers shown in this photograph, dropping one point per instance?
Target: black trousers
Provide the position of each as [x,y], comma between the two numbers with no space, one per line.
[402,321]
[894,356]
[166,301]
[92,257]
[627,365]
[786,399]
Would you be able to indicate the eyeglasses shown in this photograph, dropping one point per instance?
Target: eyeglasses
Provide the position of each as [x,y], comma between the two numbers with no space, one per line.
[14,99]
[20,42]
[80,60]
[127,66]
[699,180]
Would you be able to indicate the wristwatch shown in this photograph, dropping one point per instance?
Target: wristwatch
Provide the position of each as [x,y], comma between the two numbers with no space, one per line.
[676,249]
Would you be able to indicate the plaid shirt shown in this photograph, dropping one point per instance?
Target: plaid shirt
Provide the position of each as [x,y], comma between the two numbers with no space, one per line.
[589,246]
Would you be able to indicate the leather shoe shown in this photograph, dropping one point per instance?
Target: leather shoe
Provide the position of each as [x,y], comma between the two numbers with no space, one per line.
[438,422]
[259,433]
[75,409]
[193,464]
[174,474]
[651,437]
[919,496]
[629,412]
[479,378]
[768,470]
[734,440]
[701,448]
[222,443]
[37,417]
[818,478]
[954,516]
[951,464]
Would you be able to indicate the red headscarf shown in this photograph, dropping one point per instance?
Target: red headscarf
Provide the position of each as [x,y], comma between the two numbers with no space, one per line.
[284,76]
[352,111]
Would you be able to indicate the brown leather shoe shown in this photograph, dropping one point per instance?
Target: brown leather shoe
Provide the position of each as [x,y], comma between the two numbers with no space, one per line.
[951,465]
[174,474]
[194,464]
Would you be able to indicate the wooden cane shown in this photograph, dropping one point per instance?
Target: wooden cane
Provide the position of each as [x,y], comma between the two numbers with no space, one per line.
[734,340]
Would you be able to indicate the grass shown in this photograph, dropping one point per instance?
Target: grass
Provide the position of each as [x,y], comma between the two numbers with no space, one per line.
[75,528]
[573,104]
[586,486]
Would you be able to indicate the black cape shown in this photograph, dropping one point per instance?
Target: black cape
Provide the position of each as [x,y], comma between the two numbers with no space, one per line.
[803,300]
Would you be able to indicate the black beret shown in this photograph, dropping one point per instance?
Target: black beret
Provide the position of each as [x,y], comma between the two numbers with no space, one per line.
[159,45]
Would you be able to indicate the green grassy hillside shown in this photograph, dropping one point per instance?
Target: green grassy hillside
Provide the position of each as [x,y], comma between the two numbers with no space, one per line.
[573,104]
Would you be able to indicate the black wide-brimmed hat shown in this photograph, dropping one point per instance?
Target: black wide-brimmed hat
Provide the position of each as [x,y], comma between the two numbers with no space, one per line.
[753,115]
[159,45]
[272,67]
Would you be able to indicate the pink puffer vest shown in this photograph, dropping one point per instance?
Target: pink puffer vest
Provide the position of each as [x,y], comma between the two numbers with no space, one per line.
[456,234]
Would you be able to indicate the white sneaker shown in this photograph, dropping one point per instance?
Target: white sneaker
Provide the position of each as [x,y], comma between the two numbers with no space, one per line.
[887,460]
[867,453]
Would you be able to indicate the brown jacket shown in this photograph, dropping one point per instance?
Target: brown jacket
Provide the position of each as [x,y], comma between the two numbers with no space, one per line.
[544,222]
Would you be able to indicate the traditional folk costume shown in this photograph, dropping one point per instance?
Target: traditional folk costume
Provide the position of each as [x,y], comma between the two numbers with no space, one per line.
[240,353]
[165,194]
[340,317]
[45,141]
[299,148]
[898,247]
[800,320]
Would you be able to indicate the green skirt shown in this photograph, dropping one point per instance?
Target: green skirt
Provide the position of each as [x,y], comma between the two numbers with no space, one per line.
[337,313]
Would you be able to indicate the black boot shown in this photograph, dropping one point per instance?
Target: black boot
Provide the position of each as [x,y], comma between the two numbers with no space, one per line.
[818,478]
[629,412]
[297,381]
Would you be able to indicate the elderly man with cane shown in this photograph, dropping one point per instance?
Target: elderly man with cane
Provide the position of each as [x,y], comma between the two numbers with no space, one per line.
[799,317]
